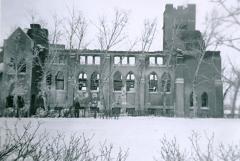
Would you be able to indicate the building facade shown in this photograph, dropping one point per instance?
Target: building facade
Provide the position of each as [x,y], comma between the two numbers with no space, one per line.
[158,82]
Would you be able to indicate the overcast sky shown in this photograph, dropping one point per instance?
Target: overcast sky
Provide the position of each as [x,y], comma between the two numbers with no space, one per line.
[15,13]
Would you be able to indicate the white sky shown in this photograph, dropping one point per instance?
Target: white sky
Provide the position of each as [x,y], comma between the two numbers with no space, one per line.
[16,13]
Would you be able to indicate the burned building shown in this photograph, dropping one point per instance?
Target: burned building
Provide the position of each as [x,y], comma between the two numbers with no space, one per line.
[159,82]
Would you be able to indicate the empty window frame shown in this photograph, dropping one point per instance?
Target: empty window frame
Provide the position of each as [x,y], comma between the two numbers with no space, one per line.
[131,60]
[166,82]
[117,60]
[82,82]
[130,82]
[97,60]
[117,81]
[153,82]
[159,61]
[152,60]
[155,60]
[95,81]
[124,60]
[59,79]
[204,99]
[82,60]
[90,60]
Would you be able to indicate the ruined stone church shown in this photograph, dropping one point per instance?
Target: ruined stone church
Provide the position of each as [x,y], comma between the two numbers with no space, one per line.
[159,82]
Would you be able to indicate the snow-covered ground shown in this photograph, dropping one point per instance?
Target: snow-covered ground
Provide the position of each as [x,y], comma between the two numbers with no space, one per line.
[140,134]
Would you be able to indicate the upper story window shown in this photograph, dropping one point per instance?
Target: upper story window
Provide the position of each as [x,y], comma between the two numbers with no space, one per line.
[97,60]
[155,60]
[90,60]
[117,60]
[131,60]
[59,59]
[82,60]
[124,60]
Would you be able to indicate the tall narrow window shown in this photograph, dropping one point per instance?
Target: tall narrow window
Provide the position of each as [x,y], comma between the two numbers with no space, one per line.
[191,99]
[153,82]
[204,99]
[94,81]
[82,82]
[59,79]
[166,82]
[130,82]
[117,81]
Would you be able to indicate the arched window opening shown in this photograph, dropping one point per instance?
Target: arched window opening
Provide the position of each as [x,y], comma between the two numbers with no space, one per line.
[153,82]
[166,82]
[95,81]
[82,82]
[59,79]
[130,83]
[117,81]
[204,99]
[191,99]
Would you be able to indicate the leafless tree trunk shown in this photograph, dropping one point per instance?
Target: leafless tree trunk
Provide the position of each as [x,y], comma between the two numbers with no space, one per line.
[229,21]
[109,36]
[146,40]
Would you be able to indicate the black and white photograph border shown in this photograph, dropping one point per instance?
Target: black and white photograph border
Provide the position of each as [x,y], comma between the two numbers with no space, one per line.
[88,80]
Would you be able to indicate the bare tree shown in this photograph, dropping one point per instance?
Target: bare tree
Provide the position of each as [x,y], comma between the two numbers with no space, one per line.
[229,22]
[25,142]
[146,40]
[201,148]
[109,36]
[57,31]
[170,151]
